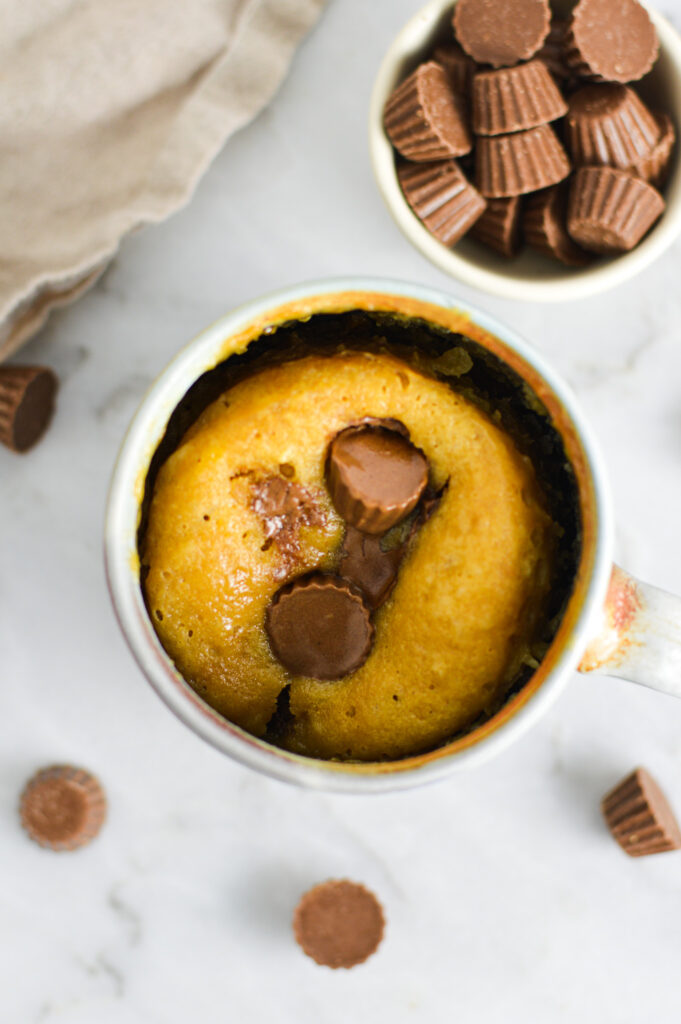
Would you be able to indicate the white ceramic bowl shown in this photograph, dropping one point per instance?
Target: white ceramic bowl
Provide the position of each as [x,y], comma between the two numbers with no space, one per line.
[530,276]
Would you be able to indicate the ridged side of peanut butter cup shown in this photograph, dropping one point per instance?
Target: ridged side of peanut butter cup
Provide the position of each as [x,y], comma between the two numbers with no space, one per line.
[610,210]
[27,396]
[609,124]
[512,165]
[611,41]
[545,229]
[513,99]
[425,119]
[501,32]
[639,816]
[655,167]
[442,198]
[375,477]
[499,226]
[458,65]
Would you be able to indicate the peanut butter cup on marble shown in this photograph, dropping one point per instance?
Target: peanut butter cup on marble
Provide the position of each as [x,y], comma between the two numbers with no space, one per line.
[27,395]
[339,923]
[62,808]
[640,817]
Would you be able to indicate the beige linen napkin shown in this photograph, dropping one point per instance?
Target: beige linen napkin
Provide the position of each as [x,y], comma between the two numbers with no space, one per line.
[110,112]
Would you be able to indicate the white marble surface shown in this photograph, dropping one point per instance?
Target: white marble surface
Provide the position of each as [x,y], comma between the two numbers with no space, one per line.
[505,897]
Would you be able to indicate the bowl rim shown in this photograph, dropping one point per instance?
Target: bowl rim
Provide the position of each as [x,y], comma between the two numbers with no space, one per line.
[577,283]
[122,517]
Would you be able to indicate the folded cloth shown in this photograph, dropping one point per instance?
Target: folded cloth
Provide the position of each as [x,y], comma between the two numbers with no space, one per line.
[110,112]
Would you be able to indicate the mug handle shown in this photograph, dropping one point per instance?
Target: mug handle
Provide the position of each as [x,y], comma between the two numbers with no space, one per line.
[640,635]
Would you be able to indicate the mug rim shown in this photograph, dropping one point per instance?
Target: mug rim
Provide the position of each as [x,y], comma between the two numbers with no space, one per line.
[208,349]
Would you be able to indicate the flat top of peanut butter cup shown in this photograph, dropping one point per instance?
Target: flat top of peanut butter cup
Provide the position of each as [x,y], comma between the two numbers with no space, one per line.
[501,32]
[615,39]
[442,106]
[62,807]
[319,626]
[425,116]
[339,923]
[376,476]
[599,99]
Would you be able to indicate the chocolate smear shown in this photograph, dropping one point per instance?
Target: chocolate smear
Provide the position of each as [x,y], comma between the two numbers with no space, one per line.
[284,507]
[372,562]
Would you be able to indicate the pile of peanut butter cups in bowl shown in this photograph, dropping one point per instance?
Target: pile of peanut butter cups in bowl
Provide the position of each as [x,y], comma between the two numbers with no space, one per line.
[530,150]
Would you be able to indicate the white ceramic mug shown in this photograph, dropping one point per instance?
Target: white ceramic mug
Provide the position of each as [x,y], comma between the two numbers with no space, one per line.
[612,623]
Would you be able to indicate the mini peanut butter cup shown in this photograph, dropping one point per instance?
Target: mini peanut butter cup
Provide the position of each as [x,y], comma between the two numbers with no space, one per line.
[339,923]
[553,53]
[501,32]
[425,119]
[610,210]
[608,124]
[512,99]
[375,477]
[639,816]
[26,404]
[319,626]
[611,41]
[499,226]
[62,808]
[655,167]
[511,165]
[442,198]
[458,65]
[545,229]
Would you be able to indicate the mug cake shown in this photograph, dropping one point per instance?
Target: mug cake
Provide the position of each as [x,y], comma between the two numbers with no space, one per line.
[358,536]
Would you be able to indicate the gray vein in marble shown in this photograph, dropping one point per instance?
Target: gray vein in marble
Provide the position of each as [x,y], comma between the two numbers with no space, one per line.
[366,849]
[126,395]
[595,375]
[127,915]
[101,968]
